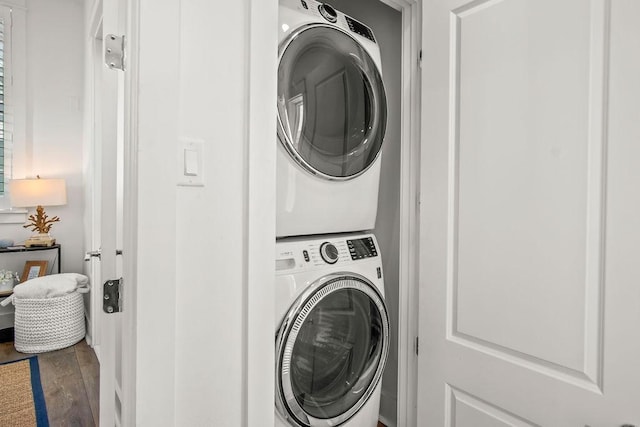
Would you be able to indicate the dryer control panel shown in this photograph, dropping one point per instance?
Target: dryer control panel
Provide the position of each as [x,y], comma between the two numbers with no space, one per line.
[334,16]
[359,28]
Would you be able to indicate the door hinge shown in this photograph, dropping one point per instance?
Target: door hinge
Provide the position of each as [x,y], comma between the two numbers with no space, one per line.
[417,346]
[114,52]
[111,296]
[92,254]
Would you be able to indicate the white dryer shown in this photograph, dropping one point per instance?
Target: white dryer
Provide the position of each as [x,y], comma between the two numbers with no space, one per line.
[332,115]
[332,331]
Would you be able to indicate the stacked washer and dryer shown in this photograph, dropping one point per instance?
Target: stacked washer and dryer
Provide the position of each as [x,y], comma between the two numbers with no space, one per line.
[332,325]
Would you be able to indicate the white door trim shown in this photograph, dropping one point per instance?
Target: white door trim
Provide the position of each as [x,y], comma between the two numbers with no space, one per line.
[95,20]
[130,214]
[259,214]
[409,212]
[93,133]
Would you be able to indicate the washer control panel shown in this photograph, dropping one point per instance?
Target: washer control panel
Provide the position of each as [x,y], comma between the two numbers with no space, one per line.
[362,248]
[324,251]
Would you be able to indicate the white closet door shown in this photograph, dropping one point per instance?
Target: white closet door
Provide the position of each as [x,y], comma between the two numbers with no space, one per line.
[530,213]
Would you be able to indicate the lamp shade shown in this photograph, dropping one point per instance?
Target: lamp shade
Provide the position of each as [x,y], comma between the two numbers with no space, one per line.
[26,193]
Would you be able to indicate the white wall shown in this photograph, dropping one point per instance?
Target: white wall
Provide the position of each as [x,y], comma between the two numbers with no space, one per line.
[158,257]
[209,242]
[52,142]
[193,331]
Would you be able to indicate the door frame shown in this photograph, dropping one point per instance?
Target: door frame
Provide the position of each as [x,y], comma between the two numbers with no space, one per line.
[408,280]
[130,213]
[93,133]
[261,233]
[129,314]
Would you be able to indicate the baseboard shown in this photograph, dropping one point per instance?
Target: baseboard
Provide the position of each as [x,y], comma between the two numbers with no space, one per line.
[89,339]
[96,350]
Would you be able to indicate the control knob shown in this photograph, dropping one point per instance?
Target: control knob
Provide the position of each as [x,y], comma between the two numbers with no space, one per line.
[328,13]
[329,253]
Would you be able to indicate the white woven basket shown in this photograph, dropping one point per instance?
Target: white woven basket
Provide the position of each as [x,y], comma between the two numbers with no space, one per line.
[45,324]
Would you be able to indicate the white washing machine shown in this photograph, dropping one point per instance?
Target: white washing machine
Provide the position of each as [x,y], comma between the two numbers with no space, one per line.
[332,331]
[332,115]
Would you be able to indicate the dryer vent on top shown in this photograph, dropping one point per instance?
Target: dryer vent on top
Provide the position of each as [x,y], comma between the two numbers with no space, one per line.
[332,117]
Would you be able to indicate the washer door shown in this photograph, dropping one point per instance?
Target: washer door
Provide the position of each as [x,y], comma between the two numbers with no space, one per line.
[332,110]
[331,350]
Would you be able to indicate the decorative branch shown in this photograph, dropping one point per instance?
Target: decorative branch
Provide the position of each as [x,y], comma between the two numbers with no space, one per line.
[41,221]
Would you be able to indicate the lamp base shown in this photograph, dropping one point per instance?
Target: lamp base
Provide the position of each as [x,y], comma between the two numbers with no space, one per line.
[40,240]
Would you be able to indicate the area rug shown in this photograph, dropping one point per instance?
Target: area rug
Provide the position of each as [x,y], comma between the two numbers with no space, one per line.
[21,398]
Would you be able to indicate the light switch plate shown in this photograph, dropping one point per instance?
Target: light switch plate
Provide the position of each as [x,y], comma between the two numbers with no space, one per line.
[190,165]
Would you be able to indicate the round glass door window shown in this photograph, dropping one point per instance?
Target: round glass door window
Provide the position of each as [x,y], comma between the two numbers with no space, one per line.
[332,111]
[332,350]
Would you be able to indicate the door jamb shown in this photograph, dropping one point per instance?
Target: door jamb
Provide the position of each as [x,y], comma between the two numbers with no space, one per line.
[130,200]
[409,210]
[130,212]
[94,34]
[259,215]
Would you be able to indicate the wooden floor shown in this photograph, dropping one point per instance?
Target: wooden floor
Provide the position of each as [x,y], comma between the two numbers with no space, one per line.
[70,380]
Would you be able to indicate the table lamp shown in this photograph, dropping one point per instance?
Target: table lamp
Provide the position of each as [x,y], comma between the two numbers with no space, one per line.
[27,193]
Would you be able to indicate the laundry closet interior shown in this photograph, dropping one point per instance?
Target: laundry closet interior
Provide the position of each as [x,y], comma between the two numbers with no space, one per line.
[386,24]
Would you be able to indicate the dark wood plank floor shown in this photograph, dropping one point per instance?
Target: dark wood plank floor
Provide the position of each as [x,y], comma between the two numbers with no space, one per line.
[70,380]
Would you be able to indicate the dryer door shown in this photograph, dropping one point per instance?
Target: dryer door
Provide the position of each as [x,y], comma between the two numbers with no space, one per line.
[332,109]
[331,350]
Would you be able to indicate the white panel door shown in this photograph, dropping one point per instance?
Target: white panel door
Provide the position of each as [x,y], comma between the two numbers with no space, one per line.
[529,286]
